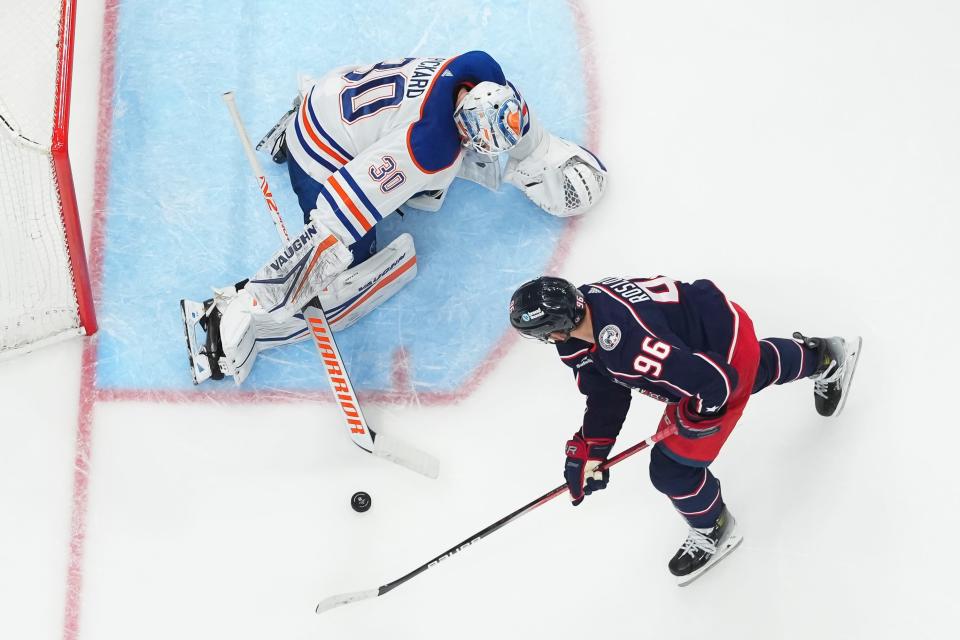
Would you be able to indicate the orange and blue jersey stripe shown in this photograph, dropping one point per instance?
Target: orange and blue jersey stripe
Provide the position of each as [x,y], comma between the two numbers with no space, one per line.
[349,203]
[360,194]
[319,145]
[351,229]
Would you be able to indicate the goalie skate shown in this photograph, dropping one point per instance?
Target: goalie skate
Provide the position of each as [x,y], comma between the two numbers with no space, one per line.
[202,366]
[274,143]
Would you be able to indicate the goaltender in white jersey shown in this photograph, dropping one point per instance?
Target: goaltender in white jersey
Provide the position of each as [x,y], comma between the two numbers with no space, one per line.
[360,143]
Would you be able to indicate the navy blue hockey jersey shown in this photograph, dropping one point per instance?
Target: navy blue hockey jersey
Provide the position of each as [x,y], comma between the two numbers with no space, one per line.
[665,338]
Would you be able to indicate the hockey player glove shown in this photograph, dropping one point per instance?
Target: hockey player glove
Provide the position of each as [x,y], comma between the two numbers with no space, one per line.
[691,424]
[584,456]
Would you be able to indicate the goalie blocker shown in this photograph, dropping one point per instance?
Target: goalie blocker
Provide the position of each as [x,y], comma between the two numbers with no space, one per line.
[225,334]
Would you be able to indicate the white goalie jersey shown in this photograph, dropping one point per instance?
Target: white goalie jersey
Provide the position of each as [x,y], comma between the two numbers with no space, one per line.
[379,136]
[361,142]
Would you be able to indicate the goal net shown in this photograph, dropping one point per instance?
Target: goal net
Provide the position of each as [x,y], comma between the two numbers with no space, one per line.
[44,286]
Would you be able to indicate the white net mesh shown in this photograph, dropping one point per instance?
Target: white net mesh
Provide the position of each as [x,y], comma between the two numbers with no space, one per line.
[37,299]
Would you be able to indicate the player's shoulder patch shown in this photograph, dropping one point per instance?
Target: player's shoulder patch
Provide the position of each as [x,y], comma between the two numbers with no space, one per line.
[609,337]
[593,290]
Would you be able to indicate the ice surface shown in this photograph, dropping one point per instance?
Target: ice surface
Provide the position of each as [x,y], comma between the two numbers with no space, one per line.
[184,214]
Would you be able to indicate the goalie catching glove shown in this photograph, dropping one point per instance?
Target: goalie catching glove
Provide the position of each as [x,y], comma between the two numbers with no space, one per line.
[560,177]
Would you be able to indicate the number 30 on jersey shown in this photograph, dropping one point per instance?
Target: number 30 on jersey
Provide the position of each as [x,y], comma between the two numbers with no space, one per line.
[369,97]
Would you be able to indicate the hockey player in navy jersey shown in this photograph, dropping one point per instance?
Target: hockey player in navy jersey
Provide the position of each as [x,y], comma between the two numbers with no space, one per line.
[360,143]
[684,344]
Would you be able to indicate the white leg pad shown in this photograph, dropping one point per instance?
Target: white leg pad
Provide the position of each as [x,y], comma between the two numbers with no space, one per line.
[358,291]
[246,328]
[299,271]
[237,335]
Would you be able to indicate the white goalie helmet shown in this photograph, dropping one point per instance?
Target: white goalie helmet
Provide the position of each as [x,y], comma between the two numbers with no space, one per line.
[491,118]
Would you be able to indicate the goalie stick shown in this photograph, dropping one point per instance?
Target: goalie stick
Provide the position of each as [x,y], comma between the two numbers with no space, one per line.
[362,435]
[346,598]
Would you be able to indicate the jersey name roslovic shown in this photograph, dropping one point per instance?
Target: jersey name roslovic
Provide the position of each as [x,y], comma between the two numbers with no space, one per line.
[665,338]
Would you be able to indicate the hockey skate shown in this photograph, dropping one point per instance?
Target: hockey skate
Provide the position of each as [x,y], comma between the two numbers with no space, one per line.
[275,142]
[204,360]
[704,548]
[832,379]
[230,345]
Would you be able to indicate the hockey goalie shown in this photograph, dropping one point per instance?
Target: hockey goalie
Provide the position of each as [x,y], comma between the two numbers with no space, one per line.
[359,144]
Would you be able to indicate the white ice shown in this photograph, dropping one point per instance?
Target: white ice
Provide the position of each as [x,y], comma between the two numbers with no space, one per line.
[804,156]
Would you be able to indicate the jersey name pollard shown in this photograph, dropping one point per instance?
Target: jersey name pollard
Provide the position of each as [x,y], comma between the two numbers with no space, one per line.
[378,135]
[664,338]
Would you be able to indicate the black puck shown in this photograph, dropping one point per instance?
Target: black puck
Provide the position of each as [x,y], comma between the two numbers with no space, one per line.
[361,501]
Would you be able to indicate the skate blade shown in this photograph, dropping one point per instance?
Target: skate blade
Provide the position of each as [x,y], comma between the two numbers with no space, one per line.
[266,142]
[191,312]
[853,357]
[729,544]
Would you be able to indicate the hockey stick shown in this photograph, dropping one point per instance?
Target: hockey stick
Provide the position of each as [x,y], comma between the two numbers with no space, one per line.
[346,598]
[360,432]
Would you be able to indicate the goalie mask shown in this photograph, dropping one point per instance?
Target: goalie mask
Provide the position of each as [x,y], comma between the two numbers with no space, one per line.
[491,118]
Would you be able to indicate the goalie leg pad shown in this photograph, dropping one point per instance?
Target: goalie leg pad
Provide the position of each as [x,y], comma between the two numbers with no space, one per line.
[358,291]
[299,271]
[245,331]
[238,338]
[242,328]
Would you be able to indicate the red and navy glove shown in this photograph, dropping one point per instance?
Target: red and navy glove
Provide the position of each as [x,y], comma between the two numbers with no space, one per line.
[691,424]
[584,455]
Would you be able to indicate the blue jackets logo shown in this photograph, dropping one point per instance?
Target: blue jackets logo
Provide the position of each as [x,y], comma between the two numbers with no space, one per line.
[609,337]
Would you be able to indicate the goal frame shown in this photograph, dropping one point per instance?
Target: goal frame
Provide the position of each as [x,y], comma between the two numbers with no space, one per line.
[59,151]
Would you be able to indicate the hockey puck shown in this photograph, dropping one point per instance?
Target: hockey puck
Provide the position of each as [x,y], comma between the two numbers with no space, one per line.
[361,501]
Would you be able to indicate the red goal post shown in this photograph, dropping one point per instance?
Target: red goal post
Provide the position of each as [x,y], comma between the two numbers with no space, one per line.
[45,293]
